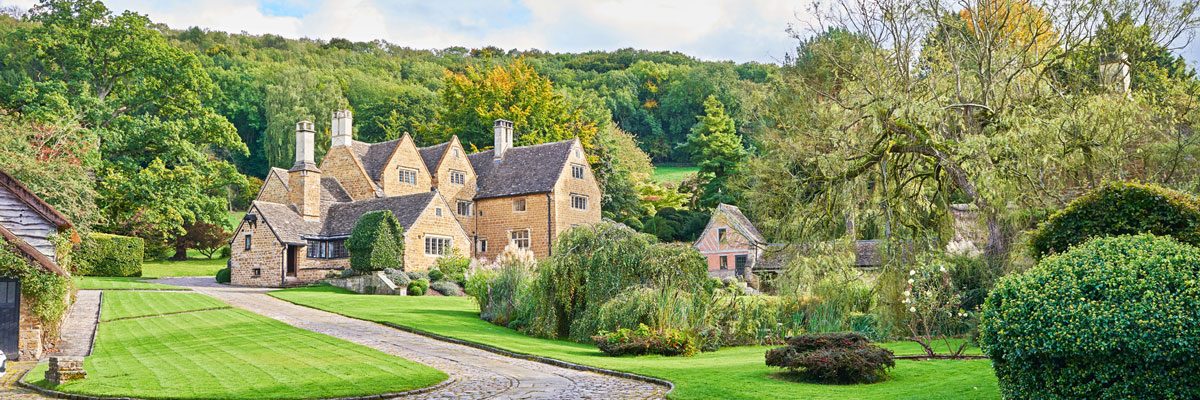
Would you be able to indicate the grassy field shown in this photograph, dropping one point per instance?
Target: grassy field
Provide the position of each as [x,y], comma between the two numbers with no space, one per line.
[197,265]
[187,350]
[119,283]
[673,173]
[731,373]
[126,304]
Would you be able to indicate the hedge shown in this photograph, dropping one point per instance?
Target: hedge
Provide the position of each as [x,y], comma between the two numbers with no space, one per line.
[102,254]
[376,243]
[1120,208]
[1117,317]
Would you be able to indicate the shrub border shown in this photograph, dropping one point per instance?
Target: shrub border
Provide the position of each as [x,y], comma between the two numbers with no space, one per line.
[523,356]
[71,396]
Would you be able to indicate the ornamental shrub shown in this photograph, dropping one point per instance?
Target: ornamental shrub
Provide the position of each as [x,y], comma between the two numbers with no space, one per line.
[643,340]
[1115,318]
[224,275]
[1120,208]
[447,288]
[377,242]
[436,274]
[102,254]
[844,357]
[418,287]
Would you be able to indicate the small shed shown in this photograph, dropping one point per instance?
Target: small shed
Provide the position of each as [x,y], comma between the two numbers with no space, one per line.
[27,226]
[730,243]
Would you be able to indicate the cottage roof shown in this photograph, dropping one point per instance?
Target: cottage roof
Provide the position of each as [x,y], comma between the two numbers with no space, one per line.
[739,222]
[432,155]
[285,222]
[522,170]
[374,156]
[27,250]
[342,217]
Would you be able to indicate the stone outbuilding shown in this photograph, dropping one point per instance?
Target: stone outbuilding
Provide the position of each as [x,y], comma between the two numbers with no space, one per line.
[27,226]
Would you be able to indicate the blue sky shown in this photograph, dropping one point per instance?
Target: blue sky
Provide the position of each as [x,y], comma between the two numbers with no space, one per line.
[739,30]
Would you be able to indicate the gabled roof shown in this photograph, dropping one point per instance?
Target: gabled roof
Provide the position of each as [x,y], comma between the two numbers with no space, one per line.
[739,222]
[333,192]
[522,170]
[432,156]
[342,217]
[374,156]
[38,205]
[285,222]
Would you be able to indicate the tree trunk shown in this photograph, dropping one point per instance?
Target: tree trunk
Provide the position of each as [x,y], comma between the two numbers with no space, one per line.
[180,251]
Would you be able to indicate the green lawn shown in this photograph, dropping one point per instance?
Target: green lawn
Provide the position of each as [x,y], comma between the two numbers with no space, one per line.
[122,304]
[673,173]
[732,373]
[119,283]
[196,265]
[228,353]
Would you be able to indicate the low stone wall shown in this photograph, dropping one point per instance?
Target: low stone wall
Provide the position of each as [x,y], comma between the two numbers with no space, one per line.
[376,283]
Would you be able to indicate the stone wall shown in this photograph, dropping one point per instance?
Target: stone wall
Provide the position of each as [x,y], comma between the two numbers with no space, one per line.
[266,253]
[341,163]
[274,189]
[496,218]
[406,156]
[566,216]
[30,341]
[455,159]
[429,223]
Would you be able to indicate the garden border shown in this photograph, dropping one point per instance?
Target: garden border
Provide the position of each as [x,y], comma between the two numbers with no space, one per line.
[523,356]
[71,396]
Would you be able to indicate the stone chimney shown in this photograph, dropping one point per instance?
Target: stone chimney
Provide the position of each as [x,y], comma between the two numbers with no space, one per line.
[504,138]
[342,127]
[304,179]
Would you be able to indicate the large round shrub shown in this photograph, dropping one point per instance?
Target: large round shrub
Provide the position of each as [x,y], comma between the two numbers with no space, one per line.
[1115,318]
[1120,208]
[376,243]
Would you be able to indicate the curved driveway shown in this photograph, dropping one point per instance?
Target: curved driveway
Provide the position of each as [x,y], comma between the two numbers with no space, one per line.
[474,373]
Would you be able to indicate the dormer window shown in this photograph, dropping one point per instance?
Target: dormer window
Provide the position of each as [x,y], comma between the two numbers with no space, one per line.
[458,177]
[408,176]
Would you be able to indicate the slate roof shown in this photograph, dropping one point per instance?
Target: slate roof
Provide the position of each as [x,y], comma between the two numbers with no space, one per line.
[432,154]
[288,225]
[374,156]
[342,217]
[333,192]
[740,222]
[522,170]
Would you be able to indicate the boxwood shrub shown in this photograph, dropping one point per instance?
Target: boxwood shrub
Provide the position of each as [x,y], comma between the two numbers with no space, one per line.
[224,275]
[1115,318]
[418,287]
[1120,208]
[102,254]
[376,243]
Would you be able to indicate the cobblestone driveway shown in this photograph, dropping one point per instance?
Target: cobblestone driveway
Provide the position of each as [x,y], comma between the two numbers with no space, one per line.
[474,373]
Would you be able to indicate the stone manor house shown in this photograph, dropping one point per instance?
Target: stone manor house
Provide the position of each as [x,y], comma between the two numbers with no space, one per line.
[295,230]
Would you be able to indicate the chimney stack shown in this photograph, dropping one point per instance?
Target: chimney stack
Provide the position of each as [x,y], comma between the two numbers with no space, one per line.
[304,179]
[342,125]
[504,138]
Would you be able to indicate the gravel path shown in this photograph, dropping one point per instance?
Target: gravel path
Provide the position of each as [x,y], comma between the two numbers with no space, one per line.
[474,373]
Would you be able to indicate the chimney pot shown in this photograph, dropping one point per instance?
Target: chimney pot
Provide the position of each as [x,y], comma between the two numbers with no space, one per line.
[305,157]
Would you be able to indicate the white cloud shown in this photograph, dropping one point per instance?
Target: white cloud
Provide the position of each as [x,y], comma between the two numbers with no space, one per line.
[223,15]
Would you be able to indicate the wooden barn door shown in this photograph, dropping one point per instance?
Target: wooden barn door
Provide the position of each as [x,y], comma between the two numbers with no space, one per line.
[10,316]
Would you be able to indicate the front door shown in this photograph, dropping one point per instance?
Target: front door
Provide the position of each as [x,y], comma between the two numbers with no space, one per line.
[10,316]
[290,266]
[739,265]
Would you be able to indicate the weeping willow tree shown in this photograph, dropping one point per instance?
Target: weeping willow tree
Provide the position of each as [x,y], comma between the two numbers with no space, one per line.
[297,94]
[900,109]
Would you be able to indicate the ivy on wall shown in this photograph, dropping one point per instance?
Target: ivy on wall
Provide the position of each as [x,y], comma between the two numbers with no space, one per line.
[45,292]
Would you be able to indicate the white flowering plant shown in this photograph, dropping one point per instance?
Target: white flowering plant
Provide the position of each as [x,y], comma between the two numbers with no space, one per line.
[934,305]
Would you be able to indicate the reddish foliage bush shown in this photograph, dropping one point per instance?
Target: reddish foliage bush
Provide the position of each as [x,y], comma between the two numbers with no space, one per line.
[833,358]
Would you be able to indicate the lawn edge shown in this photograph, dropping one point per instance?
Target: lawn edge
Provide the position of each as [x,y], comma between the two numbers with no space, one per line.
[523,356]
[72,396]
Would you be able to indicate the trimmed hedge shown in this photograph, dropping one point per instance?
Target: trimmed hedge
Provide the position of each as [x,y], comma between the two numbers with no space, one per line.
[1115,318]
[224,275]
[1120,208]
[102,254]
[376,243]
[844,357]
